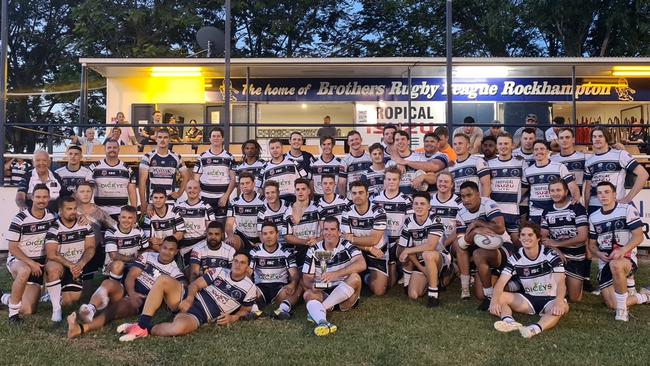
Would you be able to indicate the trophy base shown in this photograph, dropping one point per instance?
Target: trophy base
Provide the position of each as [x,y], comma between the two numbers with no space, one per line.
[322,285]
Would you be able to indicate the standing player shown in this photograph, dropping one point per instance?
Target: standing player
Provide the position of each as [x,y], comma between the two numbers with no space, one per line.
[40,174]
[303,158]
[413,162]
[275,274]
[215,171]
[565,227]
[282,170]
[506,172]
[541,274]
[73,173]
[469,168]
[115,182]
[537,177]
[163,221]
[327,163]
[342,277]
[331,204]
[525,151]
[430,154]
[364,226]
[354,164]
[211,253]
[615,230]
[396,205]
[489,147]
[196,215]
[123,242]
[251,161]
[26,260]
[302,221]
[158,169]
[421,253]
[375,174]
[388,140]
[241,225]
[273,210]
[572,159]
[444,207]
[70,246]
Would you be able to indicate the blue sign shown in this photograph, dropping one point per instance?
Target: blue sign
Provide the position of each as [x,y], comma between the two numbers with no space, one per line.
[430,89]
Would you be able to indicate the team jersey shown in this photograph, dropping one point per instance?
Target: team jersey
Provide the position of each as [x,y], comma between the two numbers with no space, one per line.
[375,179]
[506,184]
[487,211]
[112,183]
[527,157]
[303,160]
[271,267]
[537,179]
[575,163]
[614,229]
[71,241]
[563,223]
[125,243]
[535,275]
[30,232]
[208,259]
[149,263]
[436,156]
[254,168]
[194,216]
[53,183]
[163,226]
[396,209]
[274,216]
[309,225]
[245,214]
[334,208]
[362,224]
[353,168]
[161,171]
[416,234]
[71,179]
[611,166]
[445,213]
[18,171]
[285,173]
[320,167]
[223,294]
[471,169]
[342,257]
[409,174]
[215,174]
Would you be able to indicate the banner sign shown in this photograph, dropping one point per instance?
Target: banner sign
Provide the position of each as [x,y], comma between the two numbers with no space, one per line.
[429,89]
[641,202]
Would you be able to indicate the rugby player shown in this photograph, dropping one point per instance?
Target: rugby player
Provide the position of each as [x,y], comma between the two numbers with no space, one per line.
[325,164]
[303,158]
[273,210]
[251,161]
[211,253]
[354,164]
[196,215]
[469,168]
[375,174]
[302,220]
[162,221]
[489,147]
[73,172]
[282,170]
[444,206]
[114,181]
[123,242]
[241,225]
[331,204]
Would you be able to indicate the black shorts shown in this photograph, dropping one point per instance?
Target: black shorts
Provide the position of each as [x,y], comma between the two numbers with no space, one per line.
[247,243]
[198,312]
[392,254]
[538,303]
[376,264]
[269,291]
[537,220]
[95,264]
[576,268]
[32,280]
[605,278]
[512,223]
[69,284]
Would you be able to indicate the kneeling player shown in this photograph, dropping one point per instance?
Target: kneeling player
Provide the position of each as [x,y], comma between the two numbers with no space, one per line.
[112,300]
[615,230]
[220,295]
[69,245]
[422,256]
[542,278]
[275,274]
[123,242]
[342,277]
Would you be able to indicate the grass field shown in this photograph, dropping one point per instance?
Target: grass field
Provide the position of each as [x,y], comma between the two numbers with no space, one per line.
[382,331]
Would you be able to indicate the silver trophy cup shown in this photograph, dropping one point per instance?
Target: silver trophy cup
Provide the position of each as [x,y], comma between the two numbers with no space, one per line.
[323,256]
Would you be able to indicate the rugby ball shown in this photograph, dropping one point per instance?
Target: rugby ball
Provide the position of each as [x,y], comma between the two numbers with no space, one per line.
[488,241]
[462,244]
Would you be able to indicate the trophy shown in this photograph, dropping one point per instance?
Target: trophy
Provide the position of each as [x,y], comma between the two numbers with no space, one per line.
[322,256]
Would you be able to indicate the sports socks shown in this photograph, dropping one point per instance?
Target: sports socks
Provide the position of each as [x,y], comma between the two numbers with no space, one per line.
[641,298]
[4,299]
[317,311]
[340,293]
[432,292]
[14,309]
[507,319]
[103,298]
[621,301]
[406,277]
[145,322]
[115,277]
[488,291]
[464,282]
[285,306]
[631,285]
[54,290]
[255,308]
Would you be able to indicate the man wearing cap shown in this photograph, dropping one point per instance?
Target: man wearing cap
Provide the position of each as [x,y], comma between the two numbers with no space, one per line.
[475,134]
[493,130]
[531,121]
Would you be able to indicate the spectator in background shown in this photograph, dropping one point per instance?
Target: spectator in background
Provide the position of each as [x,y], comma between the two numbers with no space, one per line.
[194,134]
[443,144]
[14,170]
[327,129]
[87,141]
[531,121]
[116,134]
[475,134]
[127,136]
[551,133]
[174,133]
[494,130]
[638,135]
[148,133]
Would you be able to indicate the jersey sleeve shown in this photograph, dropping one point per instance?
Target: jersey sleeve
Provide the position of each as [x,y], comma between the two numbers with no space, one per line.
[565,174]
[52,235]
[144,163]
[195,257]
[291,260]
[509,268]
[309,266]
[300,170]
[436,230]
[461,227]
[110,242]
[343,170]
[379,222]
[15,229]
[144,240]
[23,185]
[581,215]
[482,168]
[198,167]
[405,237]
[230,209]
[92,167]
[588,173]
[250,297]
[555,261]
[592,231]
[492,210]
[627,161]
[146,227]
[141,261]
[180,165]
[632,218]
[544,223]
[345,222]
[133,178]
[211,275]
[179,223]
[353,251]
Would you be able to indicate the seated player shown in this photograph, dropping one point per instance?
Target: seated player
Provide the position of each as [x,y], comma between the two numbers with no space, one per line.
[123,243]
[162,221]
[212,253]
[565,227]
[364,226]
[478,215]
[342,277]
[196,214]
[424,259]
[114,300]
[615,230]
[26,260]
[221,295]
[70,246]
[241,224]
[275,274]
[541,274]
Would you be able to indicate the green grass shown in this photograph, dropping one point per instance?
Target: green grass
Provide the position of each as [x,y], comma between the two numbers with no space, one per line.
[389,331]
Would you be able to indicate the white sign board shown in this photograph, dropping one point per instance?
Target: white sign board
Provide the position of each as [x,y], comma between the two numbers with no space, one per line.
[642,202]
